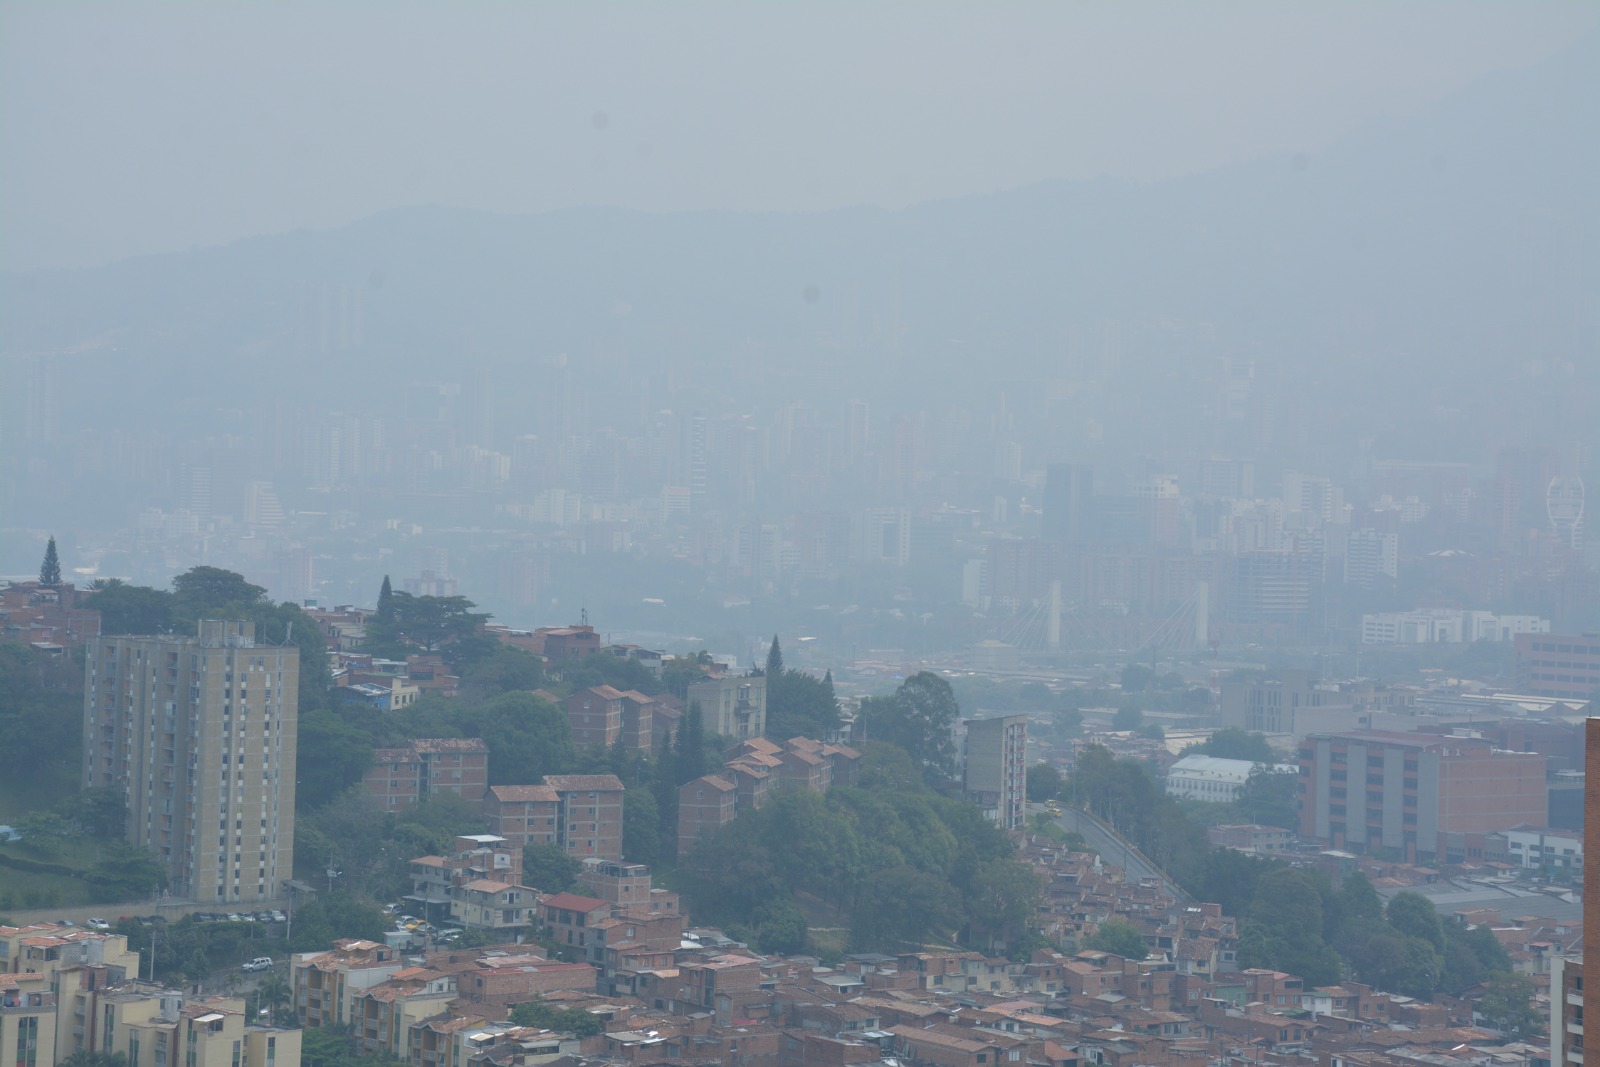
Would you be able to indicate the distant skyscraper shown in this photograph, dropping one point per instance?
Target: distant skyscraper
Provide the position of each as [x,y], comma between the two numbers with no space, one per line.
[1068,488]
[1564,505]
[858,429]
[198,735]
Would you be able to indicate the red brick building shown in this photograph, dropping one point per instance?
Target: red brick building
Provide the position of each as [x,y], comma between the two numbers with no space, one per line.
[581,814]
[426,767]
[1398,793]
[600,715]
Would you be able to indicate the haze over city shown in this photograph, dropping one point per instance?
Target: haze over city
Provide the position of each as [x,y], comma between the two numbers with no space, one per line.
[948,488]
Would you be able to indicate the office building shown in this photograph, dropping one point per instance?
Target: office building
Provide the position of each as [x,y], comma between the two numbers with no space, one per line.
[198,735]
[995,768]
[1398,793]
[1566,666]
[1288,702]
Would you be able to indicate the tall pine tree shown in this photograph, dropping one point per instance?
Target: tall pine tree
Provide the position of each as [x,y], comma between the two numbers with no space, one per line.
[774,661]
[386,600]
[50,569]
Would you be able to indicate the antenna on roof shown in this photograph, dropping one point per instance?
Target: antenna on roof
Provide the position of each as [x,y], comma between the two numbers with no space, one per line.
[288,634]
[583,616]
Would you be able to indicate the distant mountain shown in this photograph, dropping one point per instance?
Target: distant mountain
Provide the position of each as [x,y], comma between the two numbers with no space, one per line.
[1447,261]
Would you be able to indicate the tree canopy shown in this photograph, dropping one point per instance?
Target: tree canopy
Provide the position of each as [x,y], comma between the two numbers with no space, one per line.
[50,567]
[920,718]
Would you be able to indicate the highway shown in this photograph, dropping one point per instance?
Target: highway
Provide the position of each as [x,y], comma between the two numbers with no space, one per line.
[1114,849]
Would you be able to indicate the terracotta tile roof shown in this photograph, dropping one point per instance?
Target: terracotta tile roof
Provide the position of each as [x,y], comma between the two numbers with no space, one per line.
[514,793]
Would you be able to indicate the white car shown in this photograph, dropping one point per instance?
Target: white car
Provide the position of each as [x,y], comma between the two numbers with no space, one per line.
[98,924]
[260,963]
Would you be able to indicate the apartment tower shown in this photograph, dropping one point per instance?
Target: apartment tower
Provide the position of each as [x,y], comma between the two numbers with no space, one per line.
[198,734]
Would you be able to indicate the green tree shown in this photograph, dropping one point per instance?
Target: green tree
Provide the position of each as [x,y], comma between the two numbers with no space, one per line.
[1284,928]
[1001,896]
[1414,915]
[386,600]
[799,705]
[547,1016]
[100,812]
[1128,717]
[774,660]
[1118,937]
[50,568]
[901,908]
[1508,1006]
[210,592]
[1269,798]
[274,994]
[502,669]
[641,827]
[1234,743]
[132,609]
[528,738]
[1136,678]
[429,621]
[331,755]
[1044,783]
[549,868]
[781,928]
[920,718]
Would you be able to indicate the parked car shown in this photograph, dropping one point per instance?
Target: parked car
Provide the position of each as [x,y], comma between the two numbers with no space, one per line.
[98,924]
[263,916]
[235,917]
[260,963]
[278,916]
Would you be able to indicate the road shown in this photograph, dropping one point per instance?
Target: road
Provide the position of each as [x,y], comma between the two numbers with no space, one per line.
[1115,850]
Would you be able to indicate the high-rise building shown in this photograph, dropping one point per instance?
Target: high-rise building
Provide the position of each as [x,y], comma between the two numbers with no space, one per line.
[198,735]
[1565,1020]
[995,770]
[1068,493]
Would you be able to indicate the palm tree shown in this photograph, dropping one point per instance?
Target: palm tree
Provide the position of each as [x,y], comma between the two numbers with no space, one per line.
[274,994]
[106,583]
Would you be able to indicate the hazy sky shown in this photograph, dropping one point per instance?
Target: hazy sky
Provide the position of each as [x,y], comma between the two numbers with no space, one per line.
[135,127]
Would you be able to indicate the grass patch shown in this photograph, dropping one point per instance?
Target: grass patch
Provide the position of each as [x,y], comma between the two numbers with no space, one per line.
[23,889]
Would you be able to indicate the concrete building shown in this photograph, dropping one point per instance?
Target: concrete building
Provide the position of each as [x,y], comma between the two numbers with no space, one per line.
[1590,967]
[427,767]
[1214,779]
[1399,792]
[1296,703]
[436,881]
[732,706]
[1566,1011]
[994,768]
[198,735]
[1428,626]
[74,964]
[1539,848]
[1566,666]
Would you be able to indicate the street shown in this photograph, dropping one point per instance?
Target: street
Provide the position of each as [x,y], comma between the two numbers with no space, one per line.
[1115,850]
